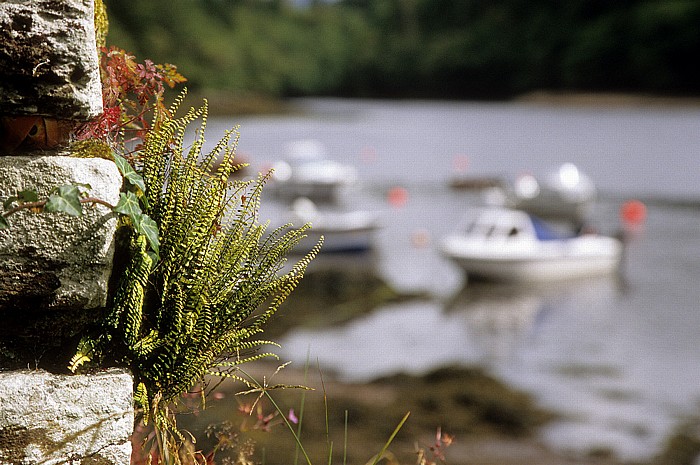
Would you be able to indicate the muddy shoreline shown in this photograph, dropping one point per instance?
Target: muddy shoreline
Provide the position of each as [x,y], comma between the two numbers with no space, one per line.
[491,422]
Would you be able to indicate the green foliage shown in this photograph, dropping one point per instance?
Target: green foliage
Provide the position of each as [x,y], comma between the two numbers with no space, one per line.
[132,203]
[22,196]
[65,199]
[438,48]
[69,199]
[196,308]
[130,175]
[131,91]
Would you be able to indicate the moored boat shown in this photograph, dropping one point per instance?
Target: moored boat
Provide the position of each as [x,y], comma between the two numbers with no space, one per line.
[512,245]
[343,231]
[307,172]
[565,193]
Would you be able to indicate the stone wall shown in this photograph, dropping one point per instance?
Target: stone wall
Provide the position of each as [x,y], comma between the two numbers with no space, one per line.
[54,419]
[48,59]
[54,268]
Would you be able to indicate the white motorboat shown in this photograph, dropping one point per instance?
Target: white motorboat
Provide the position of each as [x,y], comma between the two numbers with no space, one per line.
[511,245]
[343,232]
[307,172]
[565,193]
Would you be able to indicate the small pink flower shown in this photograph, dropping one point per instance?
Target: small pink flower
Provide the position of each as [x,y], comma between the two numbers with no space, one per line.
[292,416]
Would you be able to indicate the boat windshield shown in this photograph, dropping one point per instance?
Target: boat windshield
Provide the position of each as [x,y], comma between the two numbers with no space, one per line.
[544,232]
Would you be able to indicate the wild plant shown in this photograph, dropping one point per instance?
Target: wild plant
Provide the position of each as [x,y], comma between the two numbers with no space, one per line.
[191,303]
[131,92]
[258,411]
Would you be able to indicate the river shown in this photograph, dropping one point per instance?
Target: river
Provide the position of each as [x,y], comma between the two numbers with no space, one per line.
[618,356]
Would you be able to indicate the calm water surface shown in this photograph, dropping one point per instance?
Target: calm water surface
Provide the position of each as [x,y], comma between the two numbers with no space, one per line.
[619,356]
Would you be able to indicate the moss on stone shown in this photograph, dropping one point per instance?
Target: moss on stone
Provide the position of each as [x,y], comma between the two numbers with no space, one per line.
[101,24]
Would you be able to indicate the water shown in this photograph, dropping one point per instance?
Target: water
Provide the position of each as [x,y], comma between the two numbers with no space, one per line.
[617,355]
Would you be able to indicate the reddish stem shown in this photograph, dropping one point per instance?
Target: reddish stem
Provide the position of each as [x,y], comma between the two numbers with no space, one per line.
[42,203]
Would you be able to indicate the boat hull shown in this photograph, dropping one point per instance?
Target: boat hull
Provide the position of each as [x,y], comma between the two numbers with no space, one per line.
[343,231]
[559,260]
[359,240]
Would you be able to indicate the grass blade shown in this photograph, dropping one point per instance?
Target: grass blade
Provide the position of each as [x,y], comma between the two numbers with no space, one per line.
[289,426]
[379,456]
[301,407]
[345,440]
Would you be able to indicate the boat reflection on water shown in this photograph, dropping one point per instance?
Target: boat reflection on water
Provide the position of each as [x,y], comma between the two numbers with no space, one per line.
[348,234]
[497,317]
[337,288]
[502,319]
[346,264]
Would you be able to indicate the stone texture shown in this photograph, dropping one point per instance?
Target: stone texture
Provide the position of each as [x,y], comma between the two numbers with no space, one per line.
[65,419]
[48,59]
[53,266]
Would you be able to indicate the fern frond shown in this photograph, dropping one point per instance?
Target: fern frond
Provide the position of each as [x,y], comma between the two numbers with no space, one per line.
[85,353]
[219,276]
[141,399]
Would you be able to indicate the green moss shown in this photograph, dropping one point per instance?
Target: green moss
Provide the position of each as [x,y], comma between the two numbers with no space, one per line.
[91,148]
[101,24]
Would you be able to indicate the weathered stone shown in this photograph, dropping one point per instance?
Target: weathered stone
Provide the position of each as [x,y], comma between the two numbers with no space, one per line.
[65,419]
[48,59]
[53,266]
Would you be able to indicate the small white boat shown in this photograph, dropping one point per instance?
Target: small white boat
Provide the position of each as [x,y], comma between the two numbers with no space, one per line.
[511,245]
[307,172]
[565,193]
[344,232]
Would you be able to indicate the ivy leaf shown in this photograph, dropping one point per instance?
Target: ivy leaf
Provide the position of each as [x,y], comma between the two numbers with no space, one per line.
[28,195]
[4,224]
[65,199]
[145,225]
[128,172]
[128,205]
[24,196]
[8,203]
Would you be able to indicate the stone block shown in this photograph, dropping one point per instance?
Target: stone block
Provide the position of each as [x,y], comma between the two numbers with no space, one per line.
[53,419]
[48,59]
[53,266]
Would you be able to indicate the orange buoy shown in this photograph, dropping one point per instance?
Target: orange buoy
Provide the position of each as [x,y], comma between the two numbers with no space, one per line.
[633,213]
[397,196]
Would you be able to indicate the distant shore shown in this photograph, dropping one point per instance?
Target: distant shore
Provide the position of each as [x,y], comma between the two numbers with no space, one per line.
[606,99]
[226,103]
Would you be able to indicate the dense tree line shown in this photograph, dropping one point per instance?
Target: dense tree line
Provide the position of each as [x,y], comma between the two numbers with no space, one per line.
[418,48]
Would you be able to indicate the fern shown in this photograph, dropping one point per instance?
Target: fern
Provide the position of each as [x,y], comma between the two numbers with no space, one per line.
[195,310]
